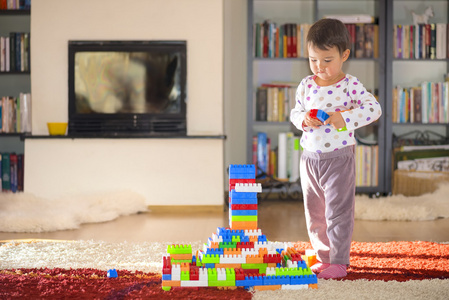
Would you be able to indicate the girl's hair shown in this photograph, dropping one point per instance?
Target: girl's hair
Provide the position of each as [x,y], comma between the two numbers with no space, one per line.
[327,33]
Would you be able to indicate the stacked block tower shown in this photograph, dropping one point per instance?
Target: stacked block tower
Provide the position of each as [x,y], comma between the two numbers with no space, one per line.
[239,256]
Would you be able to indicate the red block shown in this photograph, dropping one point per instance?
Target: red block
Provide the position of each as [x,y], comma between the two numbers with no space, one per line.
[243,245]
[272,259]
[296,257]
[166,267]
[239,274]
[194,273]
[244,206]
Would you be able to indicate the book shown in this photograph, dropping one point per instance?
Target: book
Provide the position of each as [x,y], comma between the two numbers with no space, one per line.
[282,155]
[20,170]
[13,172]
[6,170]
[359,41]
[261,103]
[262,155]
[441,40]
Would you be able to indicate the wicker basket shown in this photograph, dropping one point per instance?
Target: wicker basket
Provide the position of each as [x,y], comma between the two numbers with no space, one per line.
[415,183]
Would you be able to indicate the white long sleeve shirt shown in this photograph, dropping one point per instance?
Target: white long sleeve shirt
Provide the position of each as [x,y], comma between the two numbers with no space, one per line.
[359,107]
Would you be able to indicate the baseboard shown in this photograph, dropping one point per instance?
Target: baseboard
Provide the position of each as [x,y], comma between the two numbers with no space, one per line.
[186,209]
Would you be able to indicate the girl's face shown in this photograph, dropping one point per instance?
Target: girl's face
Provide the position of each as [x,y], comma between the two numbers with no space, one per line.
[327,64]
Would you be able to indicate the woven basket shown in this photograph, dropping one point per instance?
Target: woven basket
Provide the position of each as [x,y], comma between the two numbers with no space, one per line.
[415,183]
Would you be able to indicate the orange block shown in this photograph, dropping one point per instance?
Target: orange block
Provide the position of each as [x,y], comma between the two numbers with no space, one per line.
[253,238]
[313,286]
[181,256]
[185,267]
[267,287]
[214,245]
[171,283]
[271,265]
[230,251]
[254,259]
[244,225]
[263,251]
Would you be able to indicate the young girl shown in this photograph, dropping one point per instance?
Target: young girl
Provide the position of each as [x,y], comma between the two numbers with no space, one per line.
[327,166]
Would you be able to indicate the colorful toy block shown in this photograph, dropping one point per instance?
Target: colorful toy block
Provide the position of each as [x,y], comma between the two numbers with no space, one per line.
[238,256]
[112,273]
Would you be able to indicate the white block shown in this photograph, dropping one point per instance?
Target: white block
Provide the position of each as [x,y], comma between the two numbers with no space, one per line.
[194,283]
[294,286]
[248,187]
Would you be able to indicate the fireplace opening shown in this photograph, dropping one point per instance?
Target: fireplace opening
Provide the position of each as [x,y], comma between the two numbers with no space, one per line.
[127,88]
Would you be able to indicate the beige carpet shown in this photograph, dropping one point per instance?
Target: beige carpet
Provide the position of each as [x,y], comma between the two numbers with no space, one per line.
[147,257]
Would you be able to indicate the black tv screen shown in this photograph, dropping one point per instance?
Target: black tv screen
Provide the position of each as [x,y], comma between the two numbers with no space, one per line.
[127,87]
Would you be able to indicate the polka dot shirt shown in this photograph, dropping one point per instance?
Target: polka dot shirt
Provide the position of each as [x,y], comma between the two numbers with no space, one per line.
[347,94]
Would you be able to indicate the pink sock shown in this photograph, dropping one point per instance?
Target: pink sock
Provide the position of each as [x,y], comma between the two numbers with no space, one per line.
[318,267]
[333,271]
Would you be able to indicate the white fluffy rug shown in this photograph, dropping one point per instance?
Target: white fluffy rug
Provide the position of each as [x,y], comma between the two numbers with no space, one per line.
[401,208]
[147,257]
[23,212]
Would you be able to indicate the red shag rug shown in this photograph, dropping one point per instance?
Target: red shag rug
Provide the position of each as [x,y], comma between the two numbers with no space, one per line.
[394,261]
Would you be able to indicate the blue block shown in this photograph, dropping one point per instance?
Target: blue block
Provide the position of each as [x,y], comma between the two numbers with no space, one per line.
[244,239]
[302,264]
[321,115]
[275,280]
[242,171]
[235,212]
[209,266]
[243,195]
[243,201]
[166,276]
[250,281]
[112,273]
[306,279]
[218,251]
[262,238]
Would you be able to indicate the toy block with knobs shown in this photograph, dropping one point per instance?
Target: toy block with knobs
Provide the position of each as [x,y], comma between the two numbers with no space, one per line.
[241,255]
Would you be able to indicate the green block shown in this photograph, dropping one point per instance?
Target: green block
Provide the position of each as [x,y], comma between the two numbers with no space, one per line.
[179,249]
[166,288]
[236,239]
[178,261]
[211,275]
[231,245]
[244,218]
[261,267]
[185,275]
[210,259]
[230,275]
[289,272]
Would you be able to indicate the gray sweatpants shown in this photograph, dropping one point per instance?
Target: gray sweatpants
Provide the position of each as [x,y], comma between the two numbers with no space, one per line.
[328,185]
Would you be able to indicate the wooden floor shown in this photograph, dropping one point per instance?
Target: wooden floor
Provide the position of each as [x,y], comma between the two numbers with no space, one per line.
[279,220]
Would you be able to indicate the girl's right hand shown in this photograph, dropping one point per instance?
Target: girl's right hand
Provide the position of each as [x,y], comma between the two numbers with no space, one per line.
[311,122]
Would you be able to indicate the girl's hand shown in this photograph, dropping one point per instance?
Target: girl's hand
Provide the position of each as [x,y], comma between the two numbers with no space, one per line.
[335,120]
[311,122]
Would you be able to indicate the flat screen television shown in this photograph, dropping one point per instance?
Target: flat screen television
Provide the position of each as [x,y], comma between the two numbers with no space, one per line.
[127,88]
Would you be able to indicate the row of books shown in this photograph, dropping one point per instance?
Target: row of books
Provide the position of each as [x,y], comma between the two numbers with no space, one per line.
[11,171]
[289,40]
[15,114]
[423,41]
[15,4]
[15,52]
[274,101]
[282,162]
[427,103]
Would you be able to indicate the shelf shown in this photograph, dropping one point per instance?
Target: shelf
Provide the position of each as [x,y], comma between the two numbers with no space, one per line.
[14,12]
[15,73]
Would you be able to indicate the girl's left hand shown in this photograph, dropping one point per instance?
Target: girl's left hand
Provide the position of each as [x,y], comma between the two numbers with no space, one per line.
[335,120]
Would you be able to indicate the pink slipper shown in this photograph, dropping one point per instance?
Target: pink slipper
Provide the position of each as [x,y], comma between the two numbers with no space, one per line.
[333,271]
[318,267]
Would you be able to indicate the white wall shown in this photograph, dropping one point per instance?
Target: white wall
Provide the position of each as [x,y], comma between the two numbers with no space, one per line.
[58,166]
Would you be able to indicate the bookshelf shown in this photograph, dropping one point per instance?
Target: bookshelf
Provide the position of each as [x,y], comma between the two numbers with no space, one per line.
[288,71]
[407,72]
[13,82]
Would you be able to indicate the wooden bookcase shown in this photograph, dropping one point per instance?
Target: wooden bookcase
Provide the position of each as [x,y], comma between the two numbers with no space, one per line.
[13,83]
[261,70]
